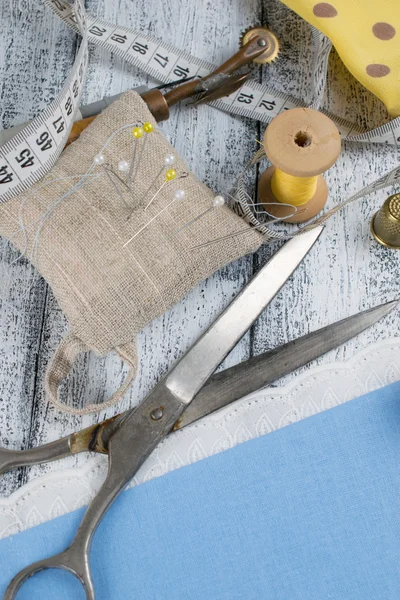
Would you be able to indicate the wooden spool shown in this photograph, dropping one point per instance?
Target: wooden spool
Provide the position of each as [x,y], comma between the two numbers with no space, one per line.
[301,142]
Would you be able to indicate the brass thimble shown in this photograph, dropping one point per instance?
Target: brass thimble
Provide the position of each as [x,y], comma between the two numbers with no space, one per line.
[385,224]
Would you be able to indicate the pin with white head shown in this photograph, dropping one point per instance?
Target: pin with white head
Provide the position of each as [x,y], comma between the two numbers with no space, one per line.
[123,166]
[217,202]
[178,196]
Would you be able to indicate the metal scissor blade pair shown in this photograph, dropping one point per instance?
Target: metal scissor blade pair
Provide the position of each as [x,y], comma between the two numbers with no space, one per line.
[140,430]
[222,389]
[259,371]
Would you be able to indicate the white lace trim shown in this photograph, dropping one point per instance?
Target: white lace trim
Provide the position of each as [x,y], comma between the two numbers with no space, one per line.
[314,391]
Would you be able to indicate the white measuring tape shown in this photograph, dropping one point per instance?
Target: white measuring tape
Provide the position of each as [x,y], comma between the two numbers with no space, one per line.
[29,155]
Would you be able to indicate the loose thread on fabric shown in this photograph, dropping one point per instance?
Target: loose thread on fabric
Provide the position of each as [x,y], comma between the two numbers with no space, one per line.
[250,204]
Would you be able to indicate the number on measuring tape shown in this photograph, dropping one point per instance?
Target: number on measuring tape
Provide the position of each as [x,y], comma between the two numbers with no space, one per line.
[268,104]
[96,30]
[22,160]
[42,144]
[185,69]
[44,141]
[25,158]
[121,40]
[59,125]
[6,175]
[143,49]
[75,88]
[68,106]
[245,98]
[99,32]
[163,61]
[140,48]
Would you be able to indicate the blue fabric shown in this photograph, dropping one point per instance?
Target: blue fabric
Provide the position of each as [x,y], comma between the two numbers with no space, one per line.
[310,512]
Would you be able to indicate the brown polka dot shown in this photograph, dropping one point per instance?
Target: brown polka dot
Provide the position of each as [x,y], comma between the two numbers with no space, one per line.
[377,70]
[383,31]
[324,10]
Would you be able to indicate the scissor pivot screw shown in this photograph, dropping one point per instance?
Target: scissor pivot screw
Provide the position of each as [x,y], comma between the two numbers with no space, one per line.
[157,414]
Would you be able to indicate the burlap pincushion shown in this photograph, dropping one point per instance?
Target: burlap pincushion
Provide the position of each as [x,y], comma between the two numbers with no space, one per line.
[76,234]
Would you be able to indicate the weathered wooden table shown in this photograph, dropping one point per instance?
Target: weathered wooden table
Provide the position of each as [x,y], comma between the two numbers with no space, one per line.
[348,273]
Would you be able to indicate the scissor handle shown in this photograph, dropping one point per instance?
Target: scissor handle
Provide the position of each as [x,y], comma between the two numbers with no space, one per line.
[71,560]
[94,439]
[10,459]
[138,434]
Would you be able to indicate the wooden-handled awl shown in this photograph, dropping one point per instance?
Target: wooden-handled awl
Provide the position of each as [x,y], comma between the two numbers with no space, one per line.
[225,80]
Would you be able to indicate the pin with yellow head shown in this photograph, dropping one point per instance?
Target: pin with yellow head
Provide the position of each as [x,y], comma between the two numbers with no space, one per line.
[140,132]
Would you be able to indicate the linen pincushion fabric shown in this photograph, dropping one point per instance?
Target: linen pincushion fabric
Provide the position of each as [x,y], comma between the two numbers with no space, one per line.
[74,226]
[366,34]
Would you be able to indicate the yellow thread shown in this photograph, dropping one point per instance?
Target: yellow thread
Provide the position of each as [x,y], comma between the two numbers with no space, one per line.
[293,190]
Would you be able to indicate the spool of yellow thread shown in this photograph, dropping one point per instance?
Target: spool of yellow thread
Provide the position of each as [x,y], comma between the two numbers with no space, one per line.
[301,144]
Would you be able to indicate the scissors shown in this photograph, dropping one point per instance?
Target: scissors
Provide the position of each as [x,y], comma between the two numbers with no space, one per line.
[129,438]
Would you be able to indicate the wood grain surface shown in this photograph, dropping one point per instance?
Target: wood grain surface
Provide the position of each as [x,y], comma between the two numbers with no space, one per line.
[346,273]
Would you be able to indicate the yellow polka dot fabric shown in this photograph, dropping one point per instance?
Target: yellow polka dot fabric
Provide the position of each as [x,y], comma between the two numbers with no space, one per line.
[366,34]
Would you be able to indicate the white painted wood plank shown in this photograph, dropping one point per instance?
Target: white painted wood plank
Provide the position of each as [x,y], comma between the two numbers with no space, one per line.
[36,50]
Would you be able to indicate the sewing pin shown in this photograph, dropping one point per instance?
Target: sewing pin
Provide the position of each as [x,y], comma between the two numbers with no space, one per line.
[170,175]
[178,195]
[169,160]
[216,203]
[138,133]
[100,160]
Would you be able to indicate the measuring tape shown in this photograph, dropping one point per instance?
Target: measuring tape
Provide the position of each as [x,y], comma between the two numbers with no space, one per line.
[29,155]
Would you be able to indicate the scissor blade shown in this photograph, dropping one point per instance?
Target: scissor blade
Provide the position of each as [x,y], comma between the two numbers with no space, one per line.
[222,389]
[196,367]
[251,375]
